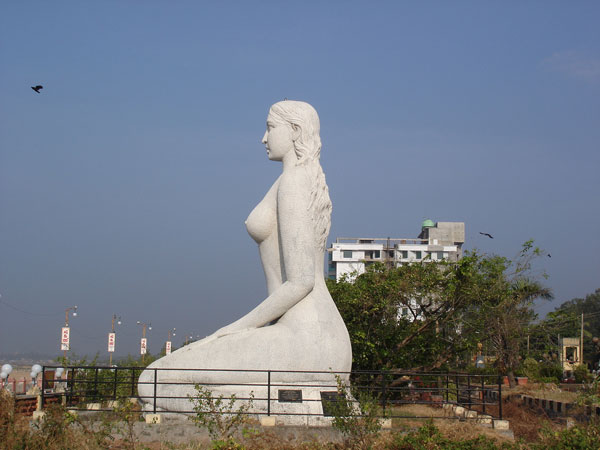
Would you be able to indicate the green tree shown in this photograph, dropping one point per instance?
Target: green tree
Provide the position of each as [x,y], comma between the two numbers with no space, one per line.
[425,315]
[566,322]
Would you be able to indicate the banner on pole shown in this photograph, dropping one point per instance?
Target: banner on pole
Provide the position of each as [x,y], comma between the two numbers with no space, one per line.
[168,348]
[65,338]
[143,343]
[111,342]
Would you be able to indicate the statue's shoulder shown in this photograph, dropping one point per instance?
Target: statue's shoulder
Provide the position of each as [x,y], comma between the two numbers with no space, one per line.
[296,177]
[294,184]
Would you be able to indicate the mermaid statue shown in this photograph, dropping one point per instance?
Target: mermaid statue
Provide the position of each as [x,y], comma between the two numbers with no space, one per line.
[296,333]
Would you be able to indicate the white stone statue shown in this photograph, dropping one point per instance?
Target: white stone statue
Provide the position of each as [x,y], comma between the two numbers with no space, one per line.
[297,327]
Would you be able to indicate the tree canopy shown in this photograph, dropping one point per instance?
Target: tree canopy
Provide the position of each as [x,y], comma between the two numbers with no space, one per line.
[429,315]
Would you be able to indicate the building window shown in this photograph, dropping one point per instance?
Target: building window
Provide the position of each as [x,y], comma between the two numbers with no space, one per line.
[440,255]
[372,254]
[405,312]
[418,255]
[347,253]
[329,256]
[391,253]
[404,254]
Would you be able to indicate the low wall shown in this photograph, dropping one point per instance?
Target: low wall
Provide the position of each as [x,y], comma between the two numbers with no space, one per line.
[556,408]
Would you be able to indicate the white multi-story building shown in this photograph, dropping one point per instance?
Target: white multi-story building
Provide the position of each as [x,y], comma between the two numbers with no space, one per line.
[437,241]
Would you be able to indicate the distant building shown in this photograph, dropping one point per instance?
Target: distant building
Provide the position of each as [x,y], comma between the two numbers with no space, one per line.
[437,241]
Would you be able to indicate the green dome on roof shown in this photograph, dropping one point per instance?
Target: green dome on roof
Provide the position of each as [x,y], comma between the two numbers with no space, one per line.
[428,223]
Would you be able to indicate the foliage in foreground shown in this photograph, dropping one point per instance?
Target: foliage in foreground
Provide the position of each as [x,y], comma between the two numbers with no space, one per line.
[359,421]
[221,416]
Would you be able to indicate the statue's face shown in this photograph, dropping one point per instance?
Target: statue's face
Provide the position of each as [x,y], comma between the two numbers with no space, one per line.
[278,139]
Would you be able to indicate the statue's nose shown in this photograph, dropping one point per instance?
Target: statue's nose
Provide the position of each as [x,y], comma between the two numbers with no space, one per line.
[264,139]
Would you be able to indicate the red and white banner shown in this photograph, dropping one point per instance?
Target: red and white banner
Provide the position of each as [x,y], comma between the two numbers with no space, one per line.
[111,342]
[143,343]
[168,348]
[65,338]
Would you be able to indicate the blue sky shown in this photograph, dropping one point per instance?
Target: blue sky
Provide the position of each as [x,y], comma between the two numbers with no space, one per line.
[125,184]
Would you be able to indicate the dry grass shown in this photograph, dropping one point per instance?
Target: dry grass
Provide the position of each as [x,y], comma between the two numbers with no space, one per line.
[546,391]
[452,429]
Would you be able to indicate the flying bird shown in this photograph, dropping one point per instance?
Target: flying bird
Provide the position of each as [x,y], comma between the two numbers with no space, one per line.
[487,234]
[549,255]
[37,88]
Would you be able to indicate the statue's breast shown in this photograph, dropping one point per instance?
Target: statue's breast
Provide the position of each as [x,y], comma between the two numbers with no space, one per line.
[262,221]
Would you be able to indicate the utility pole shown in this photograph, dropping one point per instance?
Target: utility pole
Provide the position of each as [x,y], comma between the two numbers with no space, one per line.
[581,342]
[112,341]
[168,343]
[66,334]
[143,342]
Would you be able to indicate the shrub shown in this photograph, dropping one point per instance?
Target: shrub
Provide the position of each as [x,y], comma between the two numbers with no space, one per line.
[531,368]
[576,438]
[551,370]
[360,422]
[582,374]
[428,437]
[222,417]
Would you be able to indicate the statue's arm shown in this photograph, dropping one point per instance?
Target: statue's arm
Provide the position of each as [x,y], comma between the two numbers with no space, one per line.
[297,243]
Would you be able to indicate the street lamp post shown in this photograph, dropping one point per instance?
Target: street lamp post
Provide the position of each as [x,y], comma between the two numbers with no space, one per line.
[168,343]
[112,338]
[65,338]
[143,341]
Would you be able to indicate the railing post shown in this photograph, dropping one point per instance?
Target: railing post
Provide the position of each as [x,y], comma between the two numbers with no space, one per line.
[383,391]
[43,387]
[268,393]
[71,385]
[500,397]
[96,385]
[457,392]
[116,369]
[155,382]
[469,390]
[132,382]
[483,394]
[447,387]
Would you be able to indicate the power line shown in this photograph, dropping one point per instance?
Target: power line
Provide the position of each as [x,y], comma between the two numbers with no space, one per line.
[29,312]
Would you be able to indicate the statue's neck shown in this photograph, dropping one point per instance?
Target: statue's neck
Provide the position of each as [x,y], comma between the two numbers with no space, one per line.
[289,160]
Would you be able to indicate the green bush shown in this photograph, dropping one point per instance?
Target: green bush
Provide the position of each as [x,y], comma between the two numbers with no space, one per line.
[582,374]
[530,368]
[428,437]
[221,416]
[576,438]
[357,415]
[551,370]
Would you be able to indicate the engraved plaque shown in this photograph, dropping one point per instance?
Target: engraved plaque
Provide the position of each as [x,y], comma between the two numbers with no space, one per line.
[327,399]
[289,396]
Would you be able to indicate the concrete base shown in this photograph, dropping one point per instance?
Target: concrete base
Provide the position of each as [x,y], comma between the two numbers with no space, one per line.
[501,424]
[93,406]
[386,424]
[153,418]
[484,419]
[459,411]
[308,412]
[267,421]
[470,414]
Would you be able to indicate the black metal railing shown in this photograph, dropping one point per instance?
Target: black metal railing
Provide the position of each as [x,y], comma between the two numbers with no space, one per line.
[83,385]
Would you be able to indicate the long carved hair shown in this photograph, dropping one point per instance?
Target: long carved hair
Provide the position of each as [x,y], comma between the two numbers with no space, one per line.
[308,151]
